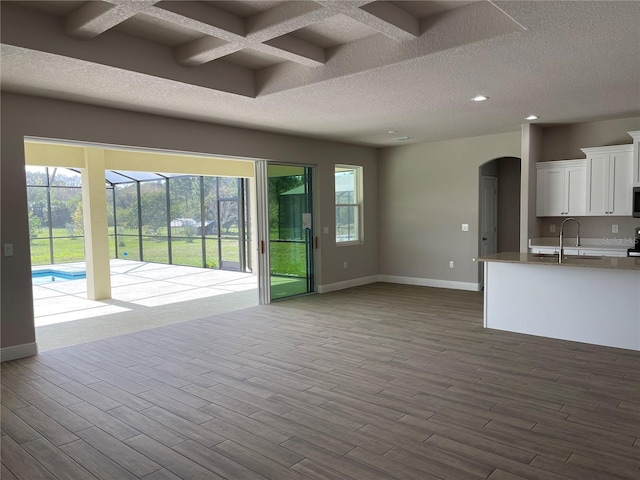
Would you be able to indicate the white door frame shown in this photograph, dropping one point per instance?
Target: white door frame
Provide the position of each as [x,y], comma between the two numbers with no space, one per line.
[262,200]
[262,203]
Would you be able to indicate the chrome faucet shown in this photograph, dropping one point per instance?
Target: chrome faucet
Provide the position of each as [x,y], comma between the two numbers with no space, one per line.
[562,237]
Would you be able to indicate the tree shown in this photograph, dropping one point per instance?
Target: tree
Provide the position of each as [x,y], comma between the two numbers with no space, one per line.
[153,202]
[278,186]
[60,214]
[78,222]
[35,225]
[185,197]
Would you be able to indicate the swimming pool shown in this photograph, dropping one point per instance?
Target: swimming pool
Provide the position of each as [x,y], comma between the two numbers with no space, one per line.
[41,277]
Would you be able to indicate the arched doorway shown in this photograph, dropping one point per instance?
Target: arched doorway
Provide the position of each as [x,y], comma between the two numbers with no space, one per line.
[499,207]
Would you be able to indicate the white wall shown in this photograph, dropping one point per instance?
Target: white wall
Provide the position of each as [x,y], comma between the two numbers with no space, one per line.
[33,116]
[427,191]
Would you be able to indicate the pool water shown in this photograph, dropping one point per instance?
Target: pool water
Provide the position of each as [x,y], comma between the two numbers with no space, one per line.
[41,277]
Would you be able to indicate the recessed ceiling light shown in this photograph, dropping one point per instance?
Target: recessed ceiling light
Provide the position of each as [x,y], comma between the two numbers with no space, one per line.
[480,98]
[532,117]
[402,139]
[391,132]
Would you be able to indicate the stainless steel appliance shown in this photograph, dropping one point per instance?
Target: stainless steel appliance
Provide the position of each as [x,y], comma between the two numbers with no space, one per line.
[635,250]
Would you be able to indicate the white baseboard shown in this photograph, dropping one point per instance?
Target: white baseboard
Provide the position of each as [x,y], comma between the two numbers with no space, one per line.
[430,282]
[356,282]
[422,282]
[18,351]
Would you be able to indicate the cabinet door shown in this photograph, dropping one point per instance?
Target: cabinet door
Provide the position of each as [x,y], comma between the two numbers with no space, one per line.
[636,158]
[556,199]
[575,190]
[621,171]
[541,192]
[598,184]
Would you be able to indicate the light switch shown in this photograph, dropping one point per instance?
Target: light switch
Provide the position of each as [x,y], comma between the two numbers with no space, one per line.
[325,230]
[8,249]
[614,228]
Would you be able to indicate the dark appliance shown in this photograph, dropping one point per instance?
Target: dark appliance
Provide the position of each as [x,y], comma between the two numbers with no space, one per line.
[636,202]
[635,250]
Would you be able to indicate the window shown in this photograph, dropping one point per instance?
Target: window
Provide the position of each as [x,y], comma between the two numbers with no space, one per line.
[348,183]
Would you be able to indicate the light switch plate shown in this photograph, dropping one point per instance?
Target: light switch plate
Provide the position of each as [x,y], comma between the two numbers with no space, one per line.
[325,230]
[8,249]
[465,227]
[614,228]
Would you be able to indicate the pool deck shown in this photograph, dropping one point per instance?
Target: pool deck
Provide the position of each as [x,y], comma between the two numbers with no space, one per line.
[144,295]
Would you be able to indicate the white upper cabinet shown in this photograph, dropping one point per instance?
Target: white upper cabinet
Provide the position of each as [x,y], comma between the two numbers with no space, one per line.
[636,158]
[609,180]
[561,189]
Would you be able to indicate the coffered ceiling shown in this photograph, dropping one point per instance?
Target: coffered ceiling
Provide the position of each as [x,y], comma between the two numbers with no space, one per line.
[347,70]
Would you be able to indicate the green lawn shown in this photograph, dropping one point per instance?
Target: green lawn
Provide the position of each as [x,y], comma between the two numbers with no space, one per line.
[287,259]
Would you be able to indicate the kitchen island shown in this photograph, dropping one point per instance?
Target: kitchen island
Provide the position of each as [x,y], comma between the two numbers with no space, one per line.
[590,299]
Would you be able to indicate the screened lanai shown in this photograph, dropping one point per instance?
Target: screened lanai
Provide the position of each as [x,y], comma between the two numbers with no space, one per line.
[192,220]
[135,237]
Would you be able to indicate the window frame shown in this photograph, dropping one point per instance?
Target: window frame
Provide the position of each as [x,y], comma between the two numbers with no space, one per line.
[358,203]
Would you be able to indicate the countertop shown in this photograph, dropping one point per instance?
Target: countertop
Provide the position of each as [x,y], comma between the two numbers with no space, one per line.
[613,244]
[614,263]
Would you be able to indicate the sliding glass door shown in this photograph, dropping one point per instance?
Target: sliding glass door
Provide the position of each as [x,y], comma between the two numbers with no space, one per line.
[287,234]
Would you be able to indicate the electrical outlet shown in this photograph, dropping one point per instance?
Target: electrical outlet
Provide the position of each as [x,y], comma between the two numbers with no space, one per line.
[345,264]
[8,249]
[614,228]
[451,264]
[465,227]
[552,227]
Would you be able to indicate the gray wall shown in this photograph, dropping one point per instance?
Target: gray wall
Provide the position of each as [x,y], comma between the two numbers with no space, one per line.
[426,192]
[32,116]
[509,205]
[563,143]
[531,153]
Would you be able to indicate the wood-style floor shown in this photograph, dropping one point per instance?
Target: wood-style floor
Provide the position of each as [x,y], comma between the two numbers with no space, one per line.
[374,383]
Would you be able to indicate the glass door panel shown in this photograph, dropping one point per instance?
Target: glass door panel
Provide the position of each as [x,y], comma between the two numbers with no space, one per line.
[290,231]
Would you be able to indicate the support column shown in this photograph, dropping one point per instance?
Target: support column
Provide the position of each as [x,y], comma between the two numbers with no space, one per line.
[96,233]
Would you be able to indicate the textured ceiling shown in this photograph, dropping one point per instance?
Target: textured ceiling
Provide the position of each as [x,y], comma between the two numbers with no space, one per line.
[347,70]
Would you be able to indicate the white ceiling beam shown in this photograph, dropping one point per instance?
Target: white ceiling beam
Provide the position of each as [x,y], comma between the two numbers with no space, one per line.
[148,63]
[285,18]
[396,23]
[450,31]
[208,49]
[295,50]
[267,33]
[383,17]
[96,17]
[204,50]
[203,18]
